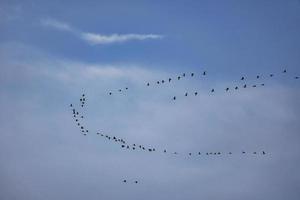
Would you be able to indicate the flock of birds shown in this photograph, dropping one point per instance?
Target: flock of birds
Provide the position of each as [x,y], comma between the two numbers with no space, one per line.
[212,90]
[135,147]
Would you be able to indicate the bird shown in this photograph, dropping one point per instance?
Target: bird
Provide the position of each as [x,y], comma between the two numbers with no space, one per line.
[148,84]
[76,120]
[124,181]
[165,151]
[83,99]
[254,86]
[254,152]
[126,88]
[186,94]
[133,148]
[242,78]
[236,87]
[190,154]
[81,116]
[150,150]
[296,77]
[229,153]
[71,105]
[263,153]
[123,146]
[170,79]
[192,74]
[199,153]
[83,95]
[183,74]
[243,152]
[204,73]
[174,98]
[163,81]
[245,86]
[81,127]
[262,84]
[98,133]
[178,77]
[136,182]
[120,90]
[257,76]
[196,93]
[157,82]
[284,71]
[271,75]
[175,152]
[227,89]
[212,90]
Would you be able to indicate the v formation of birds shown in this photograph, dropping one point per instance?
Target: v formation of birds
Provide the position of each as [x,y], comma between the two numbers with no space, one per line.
[78,117]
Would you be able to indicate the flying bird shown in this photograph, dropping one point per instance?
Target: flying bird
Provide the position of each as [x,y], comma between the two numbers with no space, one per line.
[178,77]
[284,71]
[170,79]
[192,74]
[212,90]
[148,84]
[227,89]
[245,86]
[186,94]
[174,98]
[242,78]
[204,73]
[196,93]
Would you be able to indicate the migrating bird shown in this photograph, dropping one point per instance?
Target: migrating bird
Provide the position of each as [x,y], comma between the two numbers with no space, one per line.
[212,90]
[148,84]
[183,74]
[204,73]
[284,71]
[186,94]
[271,75]
[196,93]
[236,87]
[178,77]
[254,86]
[162,81]
[262,84]
[71,105]
[120,90]
[126,88]
[257,76]
[136,182]
[165,151]
[124,181]
[174,98]
[157,82]
[242,78]
[192,74]
[245,86]
[170,79]
[296,77]
[263,153]
[227,89]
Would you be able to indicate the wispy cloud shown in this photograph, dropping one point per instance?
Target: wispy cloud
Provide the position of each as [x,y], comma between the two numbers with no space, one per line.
[95,38]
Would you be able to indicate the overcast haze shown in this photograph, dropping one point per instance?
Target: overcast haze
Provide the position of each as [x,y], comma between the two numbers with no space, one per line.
[52,52]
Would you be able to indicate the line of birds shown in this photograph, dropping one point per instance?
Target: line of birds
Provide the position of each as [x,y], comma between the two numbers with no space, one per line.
[243,78]
[77,117]
[164,80]
[82,100]
[125,145]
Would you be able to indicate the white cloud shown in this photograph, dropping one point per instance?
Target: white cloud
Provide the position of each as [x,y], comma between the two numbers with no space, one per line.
[116,38]
[94,38]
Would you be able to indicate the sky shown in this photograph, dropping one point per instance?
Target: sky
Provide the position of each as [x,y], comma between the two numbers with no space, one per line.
[52,52]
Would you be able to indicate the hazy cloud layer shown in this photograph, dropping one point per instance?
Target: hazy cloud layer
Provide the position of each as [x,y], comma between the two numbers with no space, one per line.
[44,156]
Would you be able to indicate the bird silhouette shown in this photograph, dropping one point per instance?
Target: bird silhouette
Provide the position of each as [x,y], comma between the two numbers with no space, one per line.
[227,89]
[186,94]
[242,78]
[296,77]
[170,79]
[157,82]
[124,181]
[284,71]
[126,88]
[178,77]
[162,81]
[271,75]
[183,74]
[204,73]
[212,90]
[254,86]
[196,93]
[148,84]
[71,105]
[257,76]
[174,98]
[263,153]
[136,182]
[236,87]
[192,74]
[245,86]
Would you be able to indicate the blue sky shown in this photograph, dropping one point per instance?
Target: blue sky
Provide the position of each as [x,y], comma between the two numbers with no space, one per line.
[51,52]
